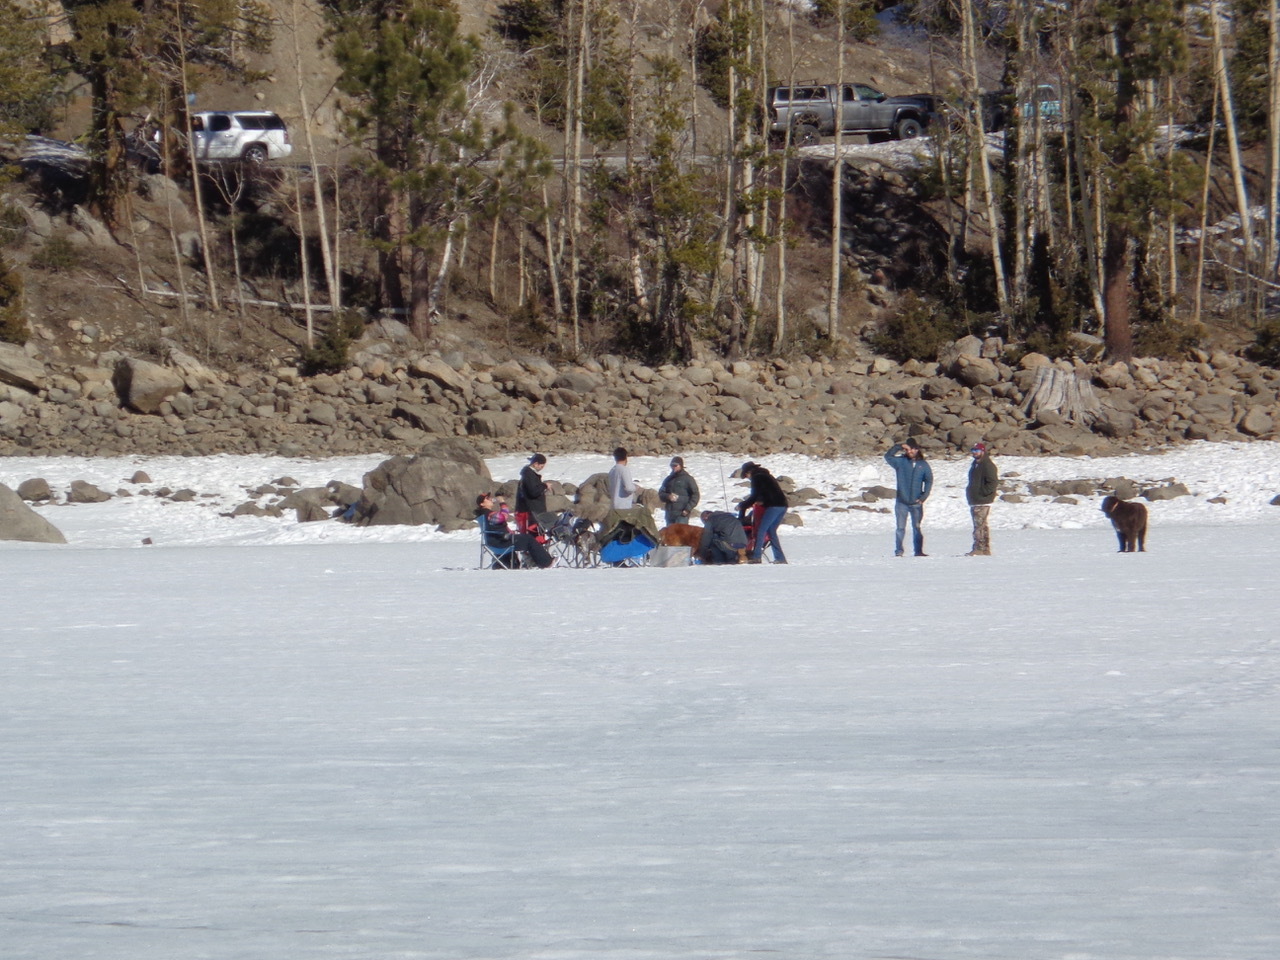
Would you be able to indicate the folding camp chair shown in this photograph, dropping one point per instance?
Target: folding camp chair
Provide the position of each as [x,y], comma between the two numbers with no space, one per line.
[495,555]
[749,525]
[570,539]
[629,547]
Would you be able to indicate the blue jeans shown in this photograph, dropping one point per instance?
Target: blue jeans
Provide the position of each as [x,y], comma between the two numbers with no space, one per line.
[901,511]
[768,529]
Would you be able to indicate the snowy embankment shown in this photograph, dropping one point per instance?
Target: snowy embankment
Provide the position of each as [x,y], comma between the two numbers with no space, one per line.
[1243,477]
[264,739]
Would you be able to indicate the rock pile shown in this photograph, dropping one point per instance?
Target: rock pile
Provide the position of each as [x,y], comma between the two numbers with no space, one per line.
[394,401]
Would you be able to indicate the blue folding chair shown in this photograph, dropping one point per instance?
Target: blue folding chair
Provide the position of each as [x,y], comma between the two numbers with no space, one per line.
[494,554]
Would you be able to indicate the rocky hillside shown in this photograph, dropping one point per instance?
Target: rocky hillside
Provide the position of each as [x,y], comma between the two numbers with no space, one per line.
[396,396]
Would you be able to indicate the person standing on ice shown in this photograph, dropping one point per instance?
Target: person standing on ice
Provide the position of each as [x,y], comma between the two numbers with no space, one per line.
[915,482]
[531,494]
[679,494]
[767,492]
[622,489]
[984,481]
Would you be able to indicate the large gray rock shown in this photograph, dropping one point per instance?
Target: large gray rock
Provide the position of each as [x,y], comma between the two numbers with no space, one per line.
[439,486]
[436,370]
[429,418]
[19,369]
[81,491]
[494,423]
[19,522]
[35,490]
[143,385]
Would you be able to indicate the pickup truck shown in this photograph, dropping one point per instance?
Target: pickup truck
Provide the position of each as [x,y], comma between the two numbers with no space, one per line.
[810,111]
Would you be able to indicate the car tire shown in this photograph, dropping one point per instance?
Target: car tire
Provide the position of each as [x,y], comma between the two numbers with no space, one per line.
[908,128]
[806,135]
[254,153]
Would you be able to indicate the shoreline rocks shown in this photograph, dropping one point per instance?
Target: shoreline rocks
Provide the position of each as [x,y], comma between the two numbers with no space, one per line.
[820,407]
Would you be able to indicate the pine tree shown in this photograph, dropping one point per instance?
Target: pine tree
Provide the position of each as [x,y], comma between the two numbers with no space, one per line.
[29,92]
[405,73]
[133,55]
[1130,44]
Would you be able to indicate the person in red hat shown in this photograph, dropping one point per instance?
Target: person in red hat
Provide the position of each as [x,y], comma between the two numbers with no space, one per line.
[984,482]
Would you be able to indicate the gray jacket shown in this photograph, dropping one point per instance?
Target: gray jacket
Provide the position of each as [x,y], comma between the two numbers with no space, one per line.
[724,529]
[679,510]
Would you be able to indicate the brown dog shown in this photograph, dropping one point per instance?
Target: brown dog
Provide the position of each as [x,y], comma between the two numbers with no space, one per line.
[687,535]
[1130,521]
[681,535]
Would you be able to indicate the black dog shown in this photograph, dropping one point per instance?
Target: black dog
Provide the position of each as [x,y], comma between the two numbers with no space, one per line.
[1130,521]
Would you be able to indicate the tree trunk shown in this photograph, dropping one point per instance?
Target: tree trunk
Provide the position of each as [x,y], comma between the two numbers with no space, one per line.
[1273,140]
[1233,138]
[968,30]
[330,272]
[202,220]
[837,185]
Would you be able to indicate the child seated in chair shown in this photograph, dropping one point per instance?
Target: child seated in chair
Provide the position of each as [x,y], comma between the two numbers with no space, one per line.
[494,518]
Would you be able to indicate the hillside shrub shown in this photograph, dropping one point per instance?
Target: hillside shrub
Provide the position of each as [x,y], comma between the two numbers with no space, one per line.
[1265,348]
[859,17]
[56,255]
[329,355]
[917,330]
[1167,339]
[13,324]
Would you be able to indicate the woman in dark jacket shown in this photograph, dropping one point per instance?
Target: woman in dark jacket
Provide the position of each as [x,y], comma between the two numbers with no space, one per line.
[531,494]
[766,492]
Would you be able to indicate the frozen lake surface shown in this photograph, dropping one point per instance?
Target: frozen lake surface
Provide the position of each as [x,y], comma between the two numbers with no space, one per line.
[334,743]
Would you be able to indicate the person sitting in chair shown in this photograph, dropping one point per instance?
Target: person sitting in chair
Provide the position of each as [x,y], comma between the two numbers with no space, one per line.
[494,519]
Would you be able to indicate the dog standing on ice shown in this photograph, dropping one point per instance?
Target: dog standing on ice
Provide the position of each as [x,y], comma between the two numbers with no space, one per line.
[1130,521]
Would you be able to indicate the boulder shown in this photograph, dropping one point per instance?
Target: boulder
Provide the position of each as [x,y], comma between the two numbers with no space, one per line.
[81,491]
[438,486]
[494,423]
[19,522]
[143,385]
[19,369]
[322,414]
[1169,491]
[35,490]
[1257,422]
[429,418]
[436,370]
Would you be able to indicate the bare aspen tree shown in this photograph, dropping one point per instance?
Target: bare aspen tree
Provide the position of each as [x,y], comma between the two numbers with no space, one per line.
[577,87]
[1204,206]
[1233,136]
[304,259]
[167,160]
[969,41]
[780,220]
[322,224]
[837,183]
[1273,139]
[202,220]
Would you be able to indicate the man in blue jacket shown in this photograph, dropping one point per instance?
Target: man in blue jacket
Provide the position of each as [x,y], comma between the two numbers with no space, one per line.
[915,482]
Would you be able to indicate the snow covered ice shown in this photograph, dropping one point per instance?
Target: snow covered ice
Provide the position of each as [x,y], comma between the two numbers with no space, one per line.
[264,739]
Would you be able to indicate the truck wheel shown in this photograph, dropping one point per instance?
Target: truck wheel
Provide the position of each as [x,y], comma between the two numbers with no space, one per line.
[806,135]
[909,128]
[254,153]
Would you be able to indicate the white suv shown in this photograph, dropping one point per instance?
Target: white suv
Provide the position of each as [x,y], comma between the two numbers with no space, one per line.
[250,135]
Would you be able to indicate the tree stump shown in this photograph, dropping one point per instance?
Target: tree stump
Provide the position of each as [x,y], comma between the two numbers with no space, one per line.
[1064,393]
